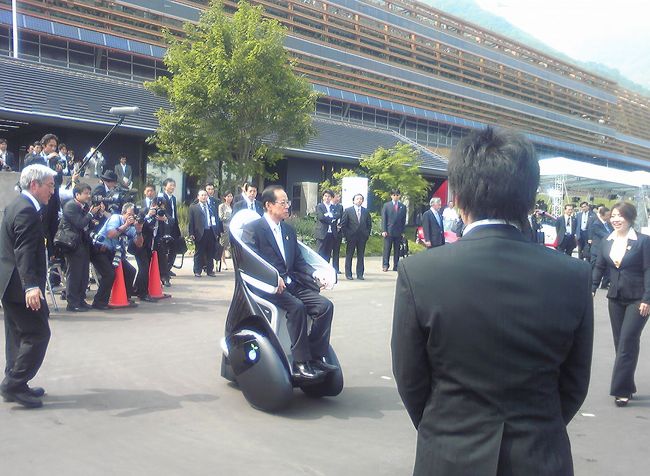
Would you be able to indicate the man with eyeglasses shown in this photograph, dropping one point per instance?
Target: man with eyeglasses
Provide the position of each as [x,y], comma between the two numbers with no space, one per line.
[275,241]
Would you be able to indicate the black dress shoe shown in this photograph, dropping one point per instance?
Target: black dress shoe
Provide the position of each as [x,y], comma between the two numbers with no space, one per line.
[172,274]
[147,298]
[349,277]
[197,275]
[75,308]
[166,282]
[24,398]
[621,401]
[304,371]
[84,304]
[212,275]
[37,392]
[101,307]
[361,278]
[320,363]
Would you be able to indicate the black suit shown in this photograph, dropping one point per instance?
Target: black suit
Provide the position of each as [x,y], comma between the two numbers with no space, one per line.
[297,299]
[205,230]
[338,238]
[356,232]
[243,204]
[597,232]
[172,228]
[629,287]
[325,230]
[582,236]
[492,343]
[78,219]
[393,222]
[566,241]
[22,266]
[433,231]
[10,161]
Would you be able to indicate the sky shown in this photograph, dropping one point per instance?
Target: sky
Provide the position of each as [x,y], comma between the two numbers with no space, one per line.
[613,32]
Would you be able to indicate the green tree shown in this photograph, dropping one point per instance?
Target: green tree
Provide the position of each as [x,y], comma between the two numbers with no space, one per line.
[397,167]
[235,100]
[337,180]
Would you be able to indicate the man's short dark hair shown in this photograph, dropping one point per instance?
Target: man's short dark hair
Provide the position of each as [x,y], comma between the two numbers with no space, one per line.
[395,191]
[3,140]
[47,138]
[358,195]
[37,143]
[149,185]
[329,192]
[584,203]
[209,184]
[80,188]
[248,186]
[567,205]
[268,194]
[494,174]
[168,180]
[602,211]
[63,146]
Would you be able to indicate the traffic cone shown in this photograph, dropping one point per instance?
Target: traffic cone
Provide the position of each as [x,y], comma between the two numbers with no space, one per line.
[155,287]
[118,293]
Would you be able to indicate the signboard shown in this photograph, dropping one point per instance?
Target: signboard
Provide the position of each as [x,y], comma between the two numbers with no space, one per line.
[350,186]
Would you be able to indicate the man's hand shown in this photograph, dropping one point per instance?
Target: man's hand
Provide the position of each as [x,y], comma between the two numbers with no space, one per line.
[191,237]
[130,220]
[33,299]
[138,227]
[152,212]
[95,209]
[281,285]
[384,234]
[644,309]
[75,177]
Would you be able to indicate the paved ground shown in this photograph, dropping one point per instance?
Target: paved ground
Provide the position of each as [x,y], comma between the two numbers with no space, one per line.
[138,392]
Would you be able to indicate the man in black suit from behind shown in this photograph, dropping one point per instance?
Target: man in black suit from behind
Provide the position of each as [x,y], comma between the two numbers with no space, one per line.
[249,201]
[565,226]
[276,242]
[599,230]
[393,221]
[432,224]
[356,225]
[23,271]
[204,231]
[492,335]
[327,216]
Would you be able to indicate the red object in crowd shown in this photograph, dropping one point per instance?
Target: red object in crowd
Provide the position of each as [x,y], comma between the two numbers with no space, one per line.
[155,287]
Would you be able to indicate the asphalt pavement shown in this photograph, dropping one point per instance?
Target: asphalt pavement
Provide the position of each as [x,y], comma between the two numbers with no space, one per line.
[139,392]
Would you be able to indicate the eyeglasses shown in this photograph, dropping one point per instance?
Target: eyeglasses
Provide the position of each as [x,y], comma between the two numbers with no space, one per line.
[284,203]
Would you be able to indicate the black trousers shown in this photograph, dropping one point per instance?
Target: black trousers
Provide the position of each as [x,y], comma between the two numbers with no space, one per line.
[583,248]
[567,245]
[336,251]
[301,303]
[204,252]
[143,259]
[627,325]
[325,246]
[389,241]
[593,257]
[358,245]
[77,274]
[27,334]
[103,263]
[170,255]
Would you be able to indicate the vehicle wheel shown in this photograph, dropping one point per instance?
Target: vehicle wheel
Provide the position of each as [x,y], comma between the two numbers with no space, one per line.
[333,383]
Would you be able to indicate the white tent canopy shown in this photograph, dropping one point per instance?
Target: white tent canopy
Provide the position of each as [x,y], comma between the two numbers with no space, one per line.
[582,176]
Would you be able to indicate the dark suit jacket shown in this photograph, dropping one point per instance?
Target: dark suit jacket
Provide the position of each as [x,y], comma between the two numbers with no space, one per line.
[597,232]
[578,230]
[432,231]
[22,250]
[323,223]
[492,353]
[77,219]
[32,159]
[259,237]
[560,228]
[243,204]
[10,161]
[631,280]
[354,229]
[172,223]
[393,222]
[196,226]
[121,174]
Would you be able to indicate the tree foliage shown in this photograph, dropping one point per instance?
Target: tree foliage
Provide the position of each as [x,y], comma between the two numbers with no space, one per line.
[337,180]
[397,167]
[234,97]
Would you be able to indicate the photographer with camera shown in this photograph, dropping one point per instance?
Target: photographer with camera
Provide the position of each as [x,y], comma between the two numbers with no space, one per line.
[152,216]
[110,249]
[77,219]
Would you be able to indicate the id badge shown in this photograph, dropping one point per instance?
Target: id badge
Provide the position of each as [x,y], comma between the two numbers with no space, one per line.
[213,221]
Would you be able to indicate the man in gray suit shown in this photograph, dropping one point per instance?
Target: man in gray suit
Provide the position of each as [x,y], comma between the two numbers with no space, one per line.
[124,173]
[489,368]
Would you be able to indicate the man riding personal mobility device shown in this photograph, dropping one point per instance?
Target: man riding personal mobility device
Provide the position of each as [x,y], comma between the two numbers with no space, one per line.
[256,347]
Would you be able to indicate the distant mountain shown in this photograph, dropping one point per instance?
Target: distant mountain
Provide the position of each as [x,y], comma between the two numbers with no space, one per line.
[469,10]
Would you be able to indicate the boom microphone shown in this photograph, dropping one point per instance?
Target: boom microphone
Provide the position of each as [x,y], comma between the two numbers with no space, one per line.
[124,111]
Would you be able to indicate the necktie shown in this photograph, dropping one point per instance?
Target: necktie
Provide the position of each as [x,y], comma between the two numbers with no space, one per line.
[207,216]
[252,206]
[396,207]
[359,214]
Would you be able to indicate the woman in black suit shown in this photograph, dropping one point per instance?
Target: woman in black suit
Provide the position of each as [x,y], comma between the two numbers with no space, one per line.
[627,255]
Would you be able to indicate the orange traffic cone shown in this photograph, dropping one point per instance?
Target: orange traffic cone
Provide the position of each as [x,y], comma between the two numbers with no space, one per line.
[155,287]
[118,293]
